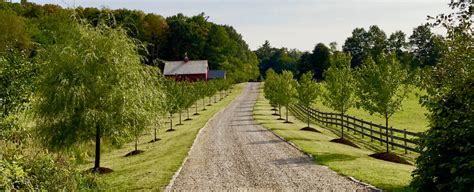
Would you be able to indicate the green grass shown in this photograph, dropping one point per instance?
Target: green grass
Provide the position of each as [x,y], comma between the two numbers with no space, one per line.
[153,169]
[412,116]
[343,159]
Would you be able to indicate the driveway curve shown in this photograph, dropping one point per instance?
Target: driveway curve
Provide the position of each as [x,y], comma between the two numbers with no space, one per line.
[233,152]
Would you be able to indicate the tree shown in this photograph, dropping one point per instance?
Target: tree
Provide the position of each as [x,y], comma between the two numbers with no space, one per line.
[357,46]
[308,91]
[270,88]
[339,86]
[427,48]
[382,85]
[446,149]
[91,87]
[320,60]
[171,105]
[363,44]
[286,91]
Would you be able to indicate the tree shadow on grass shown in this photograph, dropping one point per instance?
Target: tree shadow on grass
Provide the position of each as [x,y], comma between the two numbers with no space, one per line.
[329,157]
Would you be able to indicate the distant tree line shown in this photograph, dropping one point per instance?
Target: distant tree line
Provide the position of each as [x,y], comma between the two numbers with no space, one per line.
[422,48]
[163,38]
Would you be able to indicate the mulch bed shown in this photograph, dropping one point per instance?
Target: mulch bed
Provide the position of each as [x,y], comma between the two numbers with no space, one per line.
[310,129]
[280,119]
[134,152]
[196,114]
[189,119]
[345,142]
[102,170]
[392,157]
[169,130]
[275,114]
[289,122]
[274,109]
[154,140]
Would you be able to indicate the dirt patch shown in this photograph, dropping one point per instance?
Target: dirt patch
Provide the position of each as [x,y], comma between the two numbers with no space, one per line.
[154,140]
[345,142]
[310,129]
[102,170]
[392,157]
[134,152]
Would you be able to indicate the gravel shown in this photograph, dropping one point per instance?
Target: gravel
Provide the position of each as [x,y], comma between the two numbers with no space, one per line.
[233,152]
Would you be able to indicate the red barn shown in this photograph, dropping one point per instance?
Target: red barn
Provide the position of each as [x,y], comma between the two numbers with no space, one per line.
[186,70]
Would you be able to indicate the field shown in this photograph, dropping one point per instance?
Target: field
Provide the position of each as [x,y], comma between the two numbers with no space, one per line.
[153,169]
[412,116]
[343,159]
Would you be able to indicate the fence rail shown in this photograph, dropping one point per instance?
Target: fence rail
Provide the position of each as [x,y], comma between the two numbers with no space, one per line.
[403,139]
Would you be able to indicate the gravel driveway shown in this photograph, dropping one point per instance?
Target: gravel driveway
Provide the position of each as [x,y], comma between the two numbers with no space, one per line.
[234,153]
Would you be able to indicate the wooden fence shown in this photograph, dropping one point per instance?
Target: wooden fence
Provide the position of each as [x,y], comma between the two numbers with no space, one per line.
[403,139]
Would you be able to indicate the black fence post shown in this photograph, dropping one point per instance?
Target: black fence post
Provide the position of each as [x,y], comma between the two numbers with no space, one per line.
[391,137]
[362,128]
[405,137]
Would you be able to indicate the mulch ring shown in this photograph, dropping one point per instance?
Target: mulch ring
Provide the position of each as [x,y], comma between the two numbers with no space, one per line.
[310,129]
[169,130]
[154,140]
[392,157]
[134,152]
[188,119]
[345,142]
[102,170]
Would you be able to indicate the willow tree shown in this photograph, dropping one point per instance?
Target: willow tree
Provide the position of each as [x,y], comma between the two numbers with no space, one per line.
[92,87]
[339,85]
[382,85]
[308,91]
[171,105]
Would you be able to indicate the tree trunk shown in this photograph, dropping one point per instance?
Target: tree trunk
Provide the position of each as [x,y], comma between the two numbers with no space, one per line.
[279,110]
[155,135]
[196,107]
[97,149]
[210,101]
[308,118]
[386,130]
[171,122]
[203,104]
[180,117]
[136,143]
[286,114]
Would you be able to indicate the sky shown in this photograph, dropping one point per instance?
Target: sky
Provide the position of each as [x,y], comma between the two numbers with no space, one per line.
[299,24]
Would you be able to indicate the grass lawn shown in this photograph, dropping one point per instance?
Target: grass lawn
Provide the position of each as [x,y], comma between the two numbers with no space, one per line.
[412,116]
[153,169]
[343,159]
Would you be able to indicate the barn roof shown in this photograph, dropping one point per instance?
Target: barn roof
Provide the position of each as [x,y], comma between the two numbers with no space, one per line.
[182,68]
[216,74]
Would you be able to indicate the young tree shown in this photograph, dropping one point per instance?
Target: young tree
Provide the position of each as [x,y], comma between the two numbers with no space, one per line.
[269,89]
[339,85]
[308,91]
[382,85]
[91,88]
[171,105]
[286,91]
